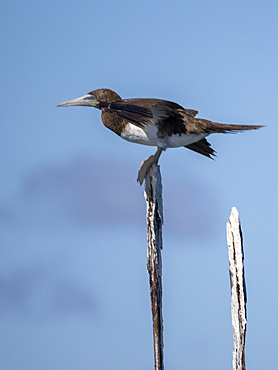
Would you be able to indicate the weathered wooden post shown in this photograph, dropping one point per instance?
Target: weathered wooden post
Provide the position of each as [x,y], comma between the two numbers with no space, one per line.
[153,197]
[238,289]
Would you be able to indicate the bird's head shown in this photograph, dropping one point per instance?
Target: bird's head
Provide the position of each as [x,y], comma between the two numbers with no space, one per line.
[92,99]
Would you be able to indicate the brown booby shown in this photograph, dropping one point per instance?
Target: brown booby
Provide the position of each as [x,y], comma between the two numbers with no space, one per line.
[154,122]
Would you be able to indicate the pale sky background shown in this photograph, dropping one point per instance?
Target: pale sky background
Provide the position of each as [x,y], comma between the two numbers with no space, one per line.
[74,288]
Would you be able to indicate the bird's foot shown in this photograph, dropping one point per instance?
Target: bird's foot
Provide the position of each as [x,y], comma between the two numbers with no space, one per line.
[145,167]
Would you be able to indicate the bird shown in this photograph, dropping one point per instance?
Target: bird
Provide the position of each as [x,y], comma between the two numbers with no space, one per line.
[155,122]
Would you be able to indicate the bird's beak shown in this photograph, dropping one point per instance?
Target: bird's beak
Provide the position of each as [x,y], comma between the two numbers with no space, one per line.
[87,100]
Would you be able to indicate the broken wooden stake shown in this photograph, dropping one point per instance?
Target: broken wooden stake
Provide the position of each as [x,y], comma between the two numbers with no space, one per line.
[153,197]
[238,290]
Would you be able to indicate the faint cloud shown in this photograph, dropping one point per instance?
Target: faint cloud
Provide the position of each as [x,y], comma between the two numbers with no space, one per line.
[35,293]
[87,192]
[84,192]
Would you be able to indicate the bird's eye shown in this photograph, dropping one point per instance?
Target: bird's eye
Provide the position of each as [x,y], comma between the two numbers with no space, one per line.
[89,97]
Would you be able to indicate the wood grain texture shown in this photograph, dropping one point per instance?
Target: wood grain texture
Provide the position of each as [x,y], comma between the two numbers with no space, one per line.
[153,197]
[238,289]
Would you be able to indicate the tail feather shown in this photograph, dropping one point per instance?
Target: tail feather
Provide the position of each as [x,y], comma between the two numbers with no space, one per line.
[200,126]
[214,127]
[203,147]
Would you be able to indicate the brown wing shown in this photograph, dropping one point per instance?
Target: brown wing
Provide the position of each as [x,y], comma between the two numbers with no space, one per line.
[190,112]
[171,118]
[135,114]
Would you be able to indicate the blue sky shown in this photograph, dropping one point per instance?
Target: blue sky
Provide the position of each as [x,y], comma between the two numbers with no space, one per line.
[73,283]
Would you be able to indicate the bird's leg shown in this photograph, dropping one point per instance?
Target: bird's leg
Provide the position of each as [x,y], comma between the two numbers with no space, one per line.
[146,165]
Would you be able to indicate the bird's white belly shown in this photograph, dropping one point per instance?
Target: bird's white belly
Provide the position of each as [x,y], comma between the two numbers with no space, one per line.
[148,136]
[133,133]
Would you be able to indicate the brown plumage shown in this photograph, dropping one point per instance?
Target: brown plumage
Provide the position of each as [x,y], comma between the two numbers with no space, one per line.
[155,122]
[203,147]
